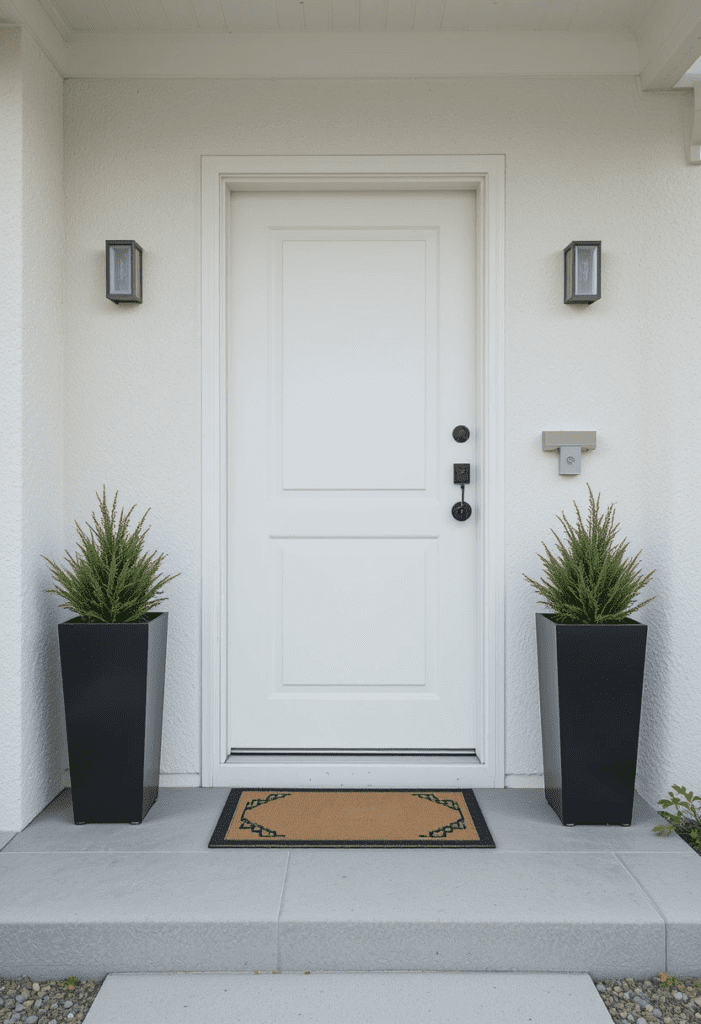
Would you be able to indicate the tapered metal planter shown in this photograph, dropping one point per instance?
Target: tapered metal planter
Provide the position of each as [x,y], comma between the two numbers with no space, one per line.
[113,683]
[591,689]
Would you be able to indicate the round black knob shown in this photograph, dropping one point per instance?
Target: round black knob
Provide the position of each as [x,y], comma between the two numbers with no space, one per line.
[461,511]
[461,434]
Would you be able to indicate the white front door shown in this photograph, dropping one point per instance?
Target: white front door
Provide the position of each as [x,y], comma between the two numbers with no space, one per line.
[351,358]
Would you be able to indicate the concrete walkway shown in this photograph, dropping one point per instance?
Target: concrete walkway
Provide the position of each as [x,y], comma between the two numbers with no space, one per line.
[402,998]
[94,900]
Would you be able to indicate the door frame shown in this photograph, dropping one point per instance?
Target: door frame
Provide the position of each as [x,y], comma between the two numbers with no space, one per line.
[222,175]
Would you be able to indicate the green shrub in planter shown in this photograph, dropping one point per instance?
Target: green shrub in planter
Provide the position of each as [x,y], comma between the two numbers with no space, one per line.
[113,656]
[590,580]
[111,581]
[591,662]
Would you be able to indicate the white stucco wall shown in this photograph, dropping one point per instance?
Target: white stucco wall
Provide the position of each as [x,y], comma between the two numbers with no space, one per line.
[44,259]
[585,158]
[31,416]
[11,420]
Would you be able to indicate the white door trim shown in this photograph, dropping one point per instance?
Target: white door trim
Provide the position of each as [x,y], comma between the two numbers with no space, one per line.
[484,175]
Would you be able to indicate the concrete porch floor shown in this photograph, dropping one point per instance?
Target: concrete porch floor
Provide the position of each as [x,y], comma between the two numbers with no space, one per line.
[93,900]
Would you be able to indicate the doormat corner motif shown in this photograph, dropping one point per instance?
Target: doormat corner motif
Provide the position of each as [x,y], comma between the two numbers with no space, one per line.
[348,818]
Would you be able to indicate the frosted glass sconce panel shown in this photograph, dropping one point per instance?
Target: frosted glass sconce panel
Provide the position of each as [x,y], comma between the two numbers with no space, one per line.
[123,266]
[583,272]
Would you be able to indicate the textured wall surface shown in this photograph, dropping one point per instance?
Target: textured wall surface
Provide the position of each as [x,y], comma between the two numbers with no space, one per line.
[31,400]
[43,261]
[585,158]
[10,423]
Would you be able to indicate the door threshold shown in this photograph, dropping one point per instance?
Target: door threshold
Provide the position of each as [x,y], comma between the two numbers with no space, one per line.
[342,757]
[379,770]
[354,751]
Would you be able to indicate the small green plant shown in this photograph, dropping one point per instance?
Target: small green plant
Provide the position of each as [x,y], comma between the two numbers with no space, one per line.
[678,821]
[589,579]
[110,580]
[71,982]
[669,981]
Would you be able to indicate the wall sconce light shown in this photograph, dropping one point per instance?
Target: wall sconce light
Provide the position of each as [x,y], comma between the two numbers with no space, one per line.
[583,272]
[123,268]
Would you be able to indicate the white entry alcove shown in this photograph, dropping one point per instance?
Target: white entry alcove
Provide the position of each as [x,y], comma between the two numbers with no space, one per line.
[352,315]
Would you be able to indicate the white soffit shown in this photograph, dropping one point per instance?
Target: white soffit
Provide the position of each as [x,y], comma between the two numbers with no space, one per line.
[656,39]
[49,32]
[351,15]
[670,42]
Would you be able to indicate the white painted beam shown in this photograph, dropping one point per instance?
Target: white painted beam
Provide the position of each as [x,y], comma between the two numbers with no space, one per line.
[670,42]
[695,142]
[349,54]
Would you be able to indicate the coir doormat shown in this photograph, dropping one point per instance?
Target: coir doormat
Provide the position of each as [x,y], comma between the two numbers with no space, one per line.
[351,818]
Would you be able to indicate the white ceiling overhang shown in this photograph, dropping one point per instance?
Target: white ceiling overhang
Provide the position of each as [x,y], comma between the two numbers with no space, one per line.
[657,40]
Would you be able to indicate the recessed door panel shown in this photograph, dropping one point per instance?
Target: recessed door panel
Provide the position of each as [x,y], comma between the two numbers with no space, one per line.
[340,599]
[352,347]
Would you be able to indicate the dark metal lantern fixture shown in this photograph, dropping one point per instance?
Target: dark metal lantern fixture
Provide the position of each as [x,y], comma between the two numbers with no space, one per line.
[583,272]
[123,270]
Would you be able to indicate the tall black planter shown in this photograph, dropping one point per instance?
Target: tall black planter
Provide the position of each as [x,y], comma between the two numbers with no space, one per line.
[113,682]
[591,689]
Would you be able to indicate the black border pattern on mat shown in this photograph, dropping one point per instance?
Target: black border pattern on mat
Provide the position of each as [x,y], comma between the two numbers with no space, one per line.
[218,840]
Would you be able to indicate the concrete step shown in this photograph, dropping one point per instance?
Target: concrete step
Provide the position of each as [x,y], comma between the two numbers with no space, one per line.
[94,900]
[337,998]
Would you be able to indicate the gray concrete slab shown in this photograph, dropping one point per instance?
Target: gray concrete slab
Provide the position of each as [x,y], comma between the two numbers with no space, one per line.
[523,820]
[672,882]
[404,998]
[92,899]
[181,819]
[363,910]
[5,838]
[184,819]
[89,913]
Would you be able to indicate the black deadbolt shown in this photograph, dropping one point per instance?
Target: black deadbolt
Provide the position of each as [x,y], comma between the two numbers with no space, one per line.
[461,434]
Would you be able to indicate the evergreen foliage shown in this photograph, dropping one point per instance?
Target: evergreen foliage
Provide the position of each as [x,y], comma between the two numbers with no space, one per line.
[111,580]
[589,579]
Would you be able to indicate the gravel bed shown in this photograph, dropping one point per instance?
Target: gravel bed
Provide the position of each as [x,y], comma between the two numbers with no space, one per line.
[46,1002]
[668,1000]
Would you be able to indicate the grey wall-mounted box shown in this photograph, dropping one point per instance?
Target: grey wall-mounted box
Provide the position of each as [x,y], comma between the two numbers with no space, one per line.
[571,444]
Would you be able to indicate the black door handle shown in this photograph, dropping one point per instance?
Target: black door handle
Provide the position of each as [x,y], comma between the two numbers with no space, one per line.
[461,510]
